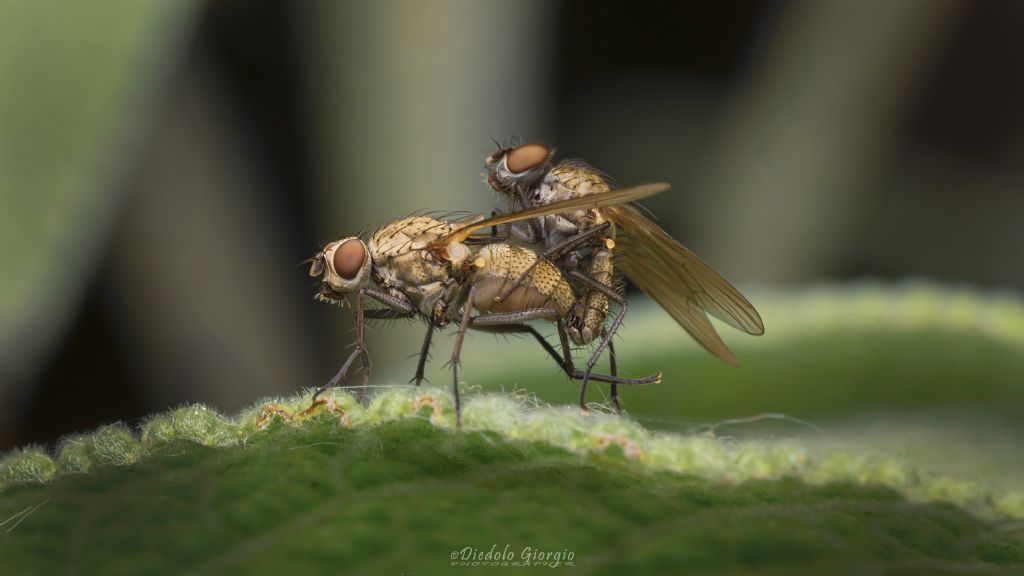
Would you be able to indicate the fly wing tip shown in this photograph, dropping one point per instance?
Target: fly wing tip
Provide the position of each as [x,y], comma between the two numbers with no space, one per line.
[759,323]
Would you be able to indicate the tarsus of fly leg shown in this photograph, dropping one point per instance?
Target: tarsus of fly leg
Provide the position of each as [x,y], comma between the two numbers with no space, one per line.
[360,352]
[396,308]
[533,233]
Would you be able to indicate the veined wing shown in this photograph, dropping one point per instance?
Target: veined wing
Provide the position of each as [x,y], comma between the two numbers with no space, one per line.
[678,280]
[615,197]
[661,287]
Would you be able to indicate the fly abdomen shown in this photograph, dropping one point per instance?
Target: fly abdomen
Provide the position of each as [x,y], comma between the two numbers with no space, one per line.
[593,307]
[499,265]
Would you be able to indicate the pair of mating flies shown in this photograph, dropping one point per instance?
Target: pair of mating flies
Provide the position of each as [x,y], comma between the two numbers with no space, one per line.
[567,233]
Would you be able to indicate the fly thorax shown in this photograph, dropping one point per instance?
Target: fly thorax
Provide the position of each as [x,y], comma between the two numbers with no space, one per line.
[385,276]
[550,190]
[418,275]
[571,179]
[407,235]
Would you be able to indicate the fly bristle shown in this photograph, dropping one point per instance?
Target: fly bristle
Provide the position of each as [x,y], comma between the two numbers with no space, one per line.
[328,297]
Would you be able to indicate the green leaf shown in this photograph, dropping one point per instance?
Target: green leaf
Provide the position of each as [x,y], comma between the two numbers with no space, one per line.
[390,486]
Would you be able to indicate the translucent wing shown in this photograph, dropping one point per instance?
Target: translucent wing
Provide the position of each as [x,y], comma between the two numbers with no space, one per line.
[680,282]
[615,197]
[661,288]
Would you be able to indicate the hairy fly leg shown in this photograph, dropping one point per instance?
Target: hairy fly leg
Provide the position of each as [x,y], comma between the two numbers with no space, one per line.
[614,369]
[510,326]
[457,351]
[607,334]
[397,307]
[359,351]
[424,354]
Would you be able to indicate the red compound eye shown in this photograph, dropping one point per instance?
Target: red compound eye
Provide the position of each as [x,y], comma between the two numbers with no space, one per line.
[526,157]
[349,258]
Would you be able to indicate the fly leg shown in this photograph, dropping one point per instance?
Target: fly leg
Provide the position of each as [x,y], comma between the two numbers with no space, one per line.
[529,236]
[552,253]
[606,335]
[614,379]
[511,323]
[359,352]
[521,329]
[397,307]
[563,337]
[614,369]
[534,228]
[385,314]
[483,320]
[399,303]
[494,229]
[424,353]
[613,365]
[467,310]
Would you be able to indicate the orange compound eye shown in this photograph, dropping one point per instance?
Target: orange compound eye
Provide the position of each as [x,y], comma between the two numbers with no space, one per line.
[526,157]
[349,258]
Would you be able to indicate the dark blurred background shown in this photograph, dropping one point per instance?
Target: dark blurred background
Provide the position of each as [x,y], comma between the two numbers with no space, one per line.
[166,166]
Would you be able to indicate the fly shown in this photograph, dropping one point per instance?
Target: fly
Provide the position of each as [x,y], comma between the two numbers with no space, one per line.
[672,275]
[441,272]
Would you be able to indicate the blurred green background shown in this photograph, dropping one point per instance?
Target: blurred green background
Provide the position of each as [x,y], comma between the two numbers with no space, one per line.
[166,166]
